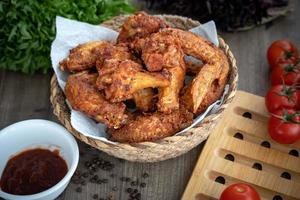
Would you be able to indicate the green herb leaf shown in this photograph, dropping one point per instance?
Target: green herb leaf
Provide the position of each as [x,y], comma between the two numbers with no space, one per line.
[29,28]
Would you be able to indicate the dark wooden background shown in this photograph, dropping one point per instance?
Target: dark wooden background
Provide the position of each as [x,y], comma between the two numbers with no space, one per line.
[27,97]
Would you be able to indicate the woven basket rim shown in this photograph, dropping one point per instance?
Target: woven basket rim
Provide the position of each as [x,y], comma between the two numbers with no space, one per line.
[146,151]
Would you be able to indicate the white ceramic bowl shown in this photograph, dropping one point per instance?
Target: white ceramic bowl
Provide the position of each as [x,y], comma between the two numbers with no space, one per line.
[44,134]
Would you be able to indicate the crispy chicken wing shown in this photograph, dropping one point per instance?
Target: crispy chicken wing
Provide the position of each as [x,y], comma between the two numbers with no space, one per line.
[214,61]
[152,126]
[168,97]
[83,96]
[112,55]
[158,51]
[117,52]
[140,25]
[215,91]
[164,53]
[83,56]
[144,99]
[121,79]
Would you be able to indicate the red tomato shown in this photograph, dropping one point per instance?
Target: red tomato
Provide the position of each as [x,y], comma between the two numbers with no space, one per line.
[284,126]
[282,96]
[282,51]
[287,74]
[239,191]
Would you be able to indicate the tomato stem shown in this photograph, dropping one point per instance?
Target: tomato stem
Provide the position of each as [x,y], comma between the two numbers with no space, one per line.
[287,92]
[291,68]
[288,54]
[286,117]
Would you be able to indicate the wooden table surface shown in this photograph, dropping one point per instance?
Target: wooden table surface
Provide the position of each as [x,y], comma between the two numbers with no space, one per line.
[27,97]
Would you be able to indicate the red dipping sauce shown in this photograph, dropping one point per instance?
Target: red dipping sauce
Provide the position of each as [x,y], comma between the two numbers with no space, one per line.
[33,171]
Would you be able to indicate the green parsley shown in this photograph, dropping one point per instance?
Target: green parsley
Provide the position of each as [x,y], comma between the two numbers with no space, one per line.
[28,28]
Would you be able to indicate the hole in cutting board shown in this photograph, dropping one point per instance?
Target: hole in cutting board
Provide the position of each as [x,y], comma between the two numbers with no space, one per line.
[247,115]
[239,136]
[266,144]
[294,152]
[277,197]
[286,175]
[220,179]
[229,157]
[257,166]
[250,114]
[261,140]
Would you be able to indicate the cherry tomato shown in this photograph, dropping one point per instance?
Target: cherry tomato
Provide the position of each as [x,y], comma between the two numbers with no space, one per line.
[287,74]
[239,191]
[284,126]
[282,96]
[282,51]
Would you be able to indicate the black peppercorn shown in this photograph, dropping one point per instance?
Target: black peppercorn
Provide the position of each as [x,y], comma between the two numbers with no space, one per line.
[79,189]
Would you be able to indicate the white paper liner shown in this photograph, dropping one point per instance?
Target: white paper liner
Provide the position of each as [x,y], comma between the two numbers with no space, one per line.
[70,33]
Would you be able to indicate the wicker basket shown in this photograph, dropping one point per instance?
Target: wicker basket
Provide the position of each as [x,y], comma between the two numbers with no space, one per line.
[163,149]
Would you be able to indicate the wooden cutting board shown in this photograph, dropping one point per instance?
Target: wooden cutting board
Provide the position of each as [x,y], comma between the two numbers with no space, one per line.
[240,150]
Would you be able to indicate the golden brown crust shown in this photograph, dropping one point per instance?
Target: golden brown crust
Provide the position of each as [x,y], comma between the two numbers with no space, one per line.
[216,90]
[83,56]
[144,99]
[162,52]
[154,126]
[194,45]
[121,79]
[214,61]
[83,96]
[140,25]
[158,51]
[168,97]
[200,85]
[116,52]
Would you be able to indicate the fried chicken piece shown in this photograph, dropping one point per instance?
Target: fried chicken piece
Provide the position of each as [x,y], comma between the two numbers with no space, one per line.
[214,61]
[144,99]
[140,25]
[158,51]
[112,55]
[192,68]
[152,126]
[216,90]
[164,53]
[168,97]
[83,56]
[117,52]
[121,79]
[83,96]
[205,88]
[136,26]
